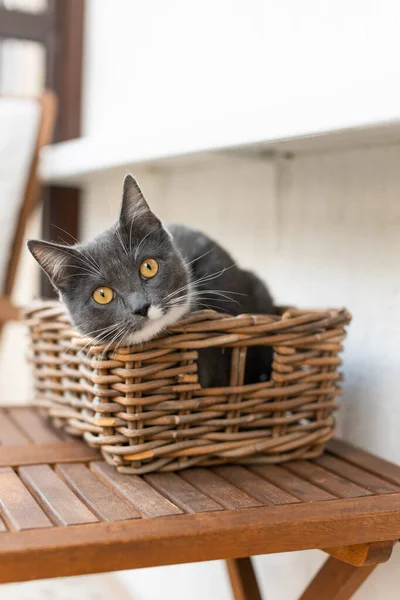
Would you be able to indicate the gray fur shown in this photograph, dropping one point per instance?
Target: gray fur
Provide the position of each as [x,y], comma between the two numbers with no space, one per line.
[194,273]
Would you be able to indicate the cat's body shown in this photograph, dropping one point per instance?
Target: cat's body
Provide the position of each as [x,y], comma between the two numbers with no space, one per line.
[227,288]
[137,278]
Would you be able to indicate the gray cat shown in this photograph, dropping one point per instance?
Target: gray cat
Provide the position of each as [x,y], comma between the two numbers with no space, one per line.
[135,279]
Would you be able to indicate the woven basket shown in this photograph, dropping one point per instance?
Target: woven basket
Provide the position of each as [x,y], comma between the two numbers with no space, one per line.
[143,405]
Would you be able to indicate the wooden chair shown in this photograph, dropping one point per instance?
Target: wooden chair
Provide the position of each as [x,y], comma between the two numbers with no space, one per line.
[26,125]
[65,512]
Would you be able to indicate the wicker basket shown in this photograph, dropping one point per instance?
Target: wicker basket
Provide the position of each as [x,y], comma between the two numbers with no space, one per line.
[143,405]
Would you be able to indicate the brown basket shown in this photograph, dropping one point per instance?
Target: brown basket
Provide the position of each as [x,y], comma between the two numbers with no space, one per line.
[143,405]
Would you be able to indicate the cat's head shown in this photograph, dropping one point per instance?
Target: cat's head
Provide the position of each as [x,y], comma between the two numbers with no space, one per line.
[128,283]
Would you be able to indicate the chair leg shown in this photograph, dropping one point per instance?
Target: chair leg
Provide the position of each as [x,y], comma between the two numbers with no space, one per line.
[336,580]
[243,579]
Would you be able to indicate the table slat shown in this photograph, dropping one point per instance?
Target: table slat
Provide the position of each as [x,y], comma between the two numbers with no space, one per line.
[9,432]
[357,475]
[292,483]
[136,491]
[18,507]
[33,425]
[54,494]
[255,486]
[219,489]
[95,494]
[181,493]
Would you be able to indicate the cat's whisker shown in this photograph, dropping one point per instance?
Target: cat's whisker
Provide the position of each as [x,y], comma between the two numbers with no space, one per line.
[118,234]
[137,213]
[200,280]
[199,257]
[66,232]
[112,341]
[222,295]
[86,263]
[104,331]
[79,249]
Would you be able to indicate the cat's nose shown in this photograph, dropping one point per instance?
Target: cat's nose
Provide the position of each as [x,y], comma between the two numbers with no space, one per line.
[142,310]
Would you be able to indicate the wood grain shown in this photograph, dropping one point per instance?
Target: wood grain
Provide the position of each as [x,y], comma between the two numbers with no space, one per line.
[293,484]
[219,489]
[95,494]
[33,425]
[357,475]
[53,494]
[98,547]
[361,555]
[18,507]
[70,451]
[365,460]
[136,491]
[340,487]
[243,579]
[181,493]
[255,486]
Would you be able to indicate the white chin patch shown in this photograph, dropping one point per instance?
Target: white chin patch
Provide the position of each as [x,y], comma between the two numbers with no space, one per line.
[156,323]
[154,312]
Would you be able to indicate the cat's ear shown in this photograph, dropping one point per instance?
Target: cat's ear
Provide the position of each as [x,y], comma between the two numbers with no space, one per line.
[134,206]
[53,258]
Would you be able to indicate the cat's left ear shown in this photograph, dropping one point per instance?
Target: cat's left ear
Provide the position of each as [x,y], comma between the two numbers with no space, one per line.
[134,206]
[54,259]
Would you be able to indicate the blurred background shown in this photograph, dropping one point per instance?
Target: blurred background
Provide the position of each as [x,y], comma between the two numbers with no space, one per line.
[272,126]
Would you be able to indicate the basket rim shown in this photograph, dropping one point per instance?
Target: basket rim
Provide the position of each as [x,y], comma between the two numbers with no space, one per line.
[224,329]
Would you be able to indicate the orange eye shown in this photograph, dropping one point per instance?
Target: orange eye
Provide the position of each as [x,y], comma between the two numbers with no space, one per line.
[103,295]
[148,268]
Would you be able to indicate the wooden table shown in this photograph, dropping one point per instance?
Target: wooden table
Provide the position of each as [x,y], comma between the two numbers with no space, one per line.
[66,512]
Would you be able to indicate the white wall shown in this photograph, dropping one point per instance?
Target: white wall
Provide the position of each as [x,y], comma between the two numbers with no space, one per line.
[159,66]
[323,230]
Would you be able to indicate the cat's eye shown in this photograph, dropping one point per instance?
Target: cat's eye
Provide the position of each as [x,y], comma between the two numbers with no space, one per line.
[148,268]
[103,295]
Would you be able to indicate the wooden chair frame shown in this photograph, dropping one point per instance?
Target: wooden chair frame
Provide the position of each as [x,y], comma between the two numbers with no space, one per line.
[31,198]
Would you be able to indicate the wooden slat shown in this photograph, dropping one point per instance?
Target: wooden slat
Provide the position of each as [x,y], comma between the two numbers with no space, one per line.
[327,480]
[92,548]
[95,494]
[219,489]
[292,483]
[54,494]
[181,493]
[255,486]
[363,478]
[9,432]
[136,491]
[18,507]
[31,454]
[366,461]
[33,425]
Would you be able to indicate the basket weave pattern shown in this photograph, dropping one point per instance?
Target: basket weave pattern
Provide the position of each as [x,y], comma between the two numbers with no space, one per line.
[144,407]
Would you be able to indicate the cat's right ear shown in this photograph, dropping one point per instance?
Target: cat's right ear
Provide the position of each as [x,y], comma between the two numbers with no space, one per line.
[53,258]
[134,206]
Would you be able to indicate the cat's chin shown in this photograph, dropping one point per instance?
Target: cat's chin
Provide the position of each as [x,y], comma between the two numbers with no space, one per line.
[156,323]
